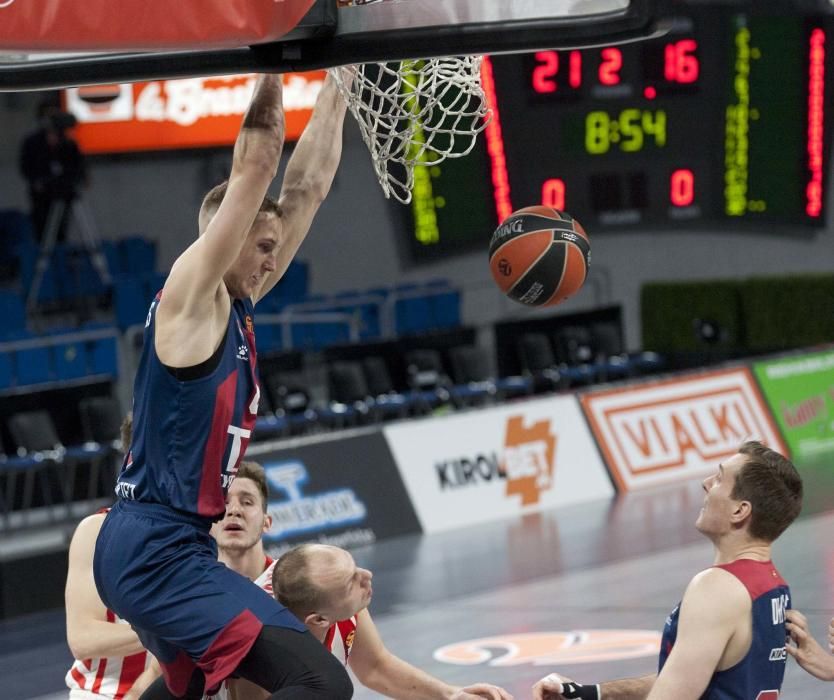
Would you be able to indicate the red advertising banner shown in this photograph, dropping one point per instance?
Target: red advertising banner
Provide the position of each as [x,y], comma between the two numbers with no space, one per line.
[174,114]
[138,25]
[671,431]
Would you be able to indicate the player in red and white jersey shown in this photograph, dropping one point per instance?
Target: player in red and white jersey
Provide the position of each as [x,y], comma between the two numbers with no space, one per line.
[110,661]
[324,588]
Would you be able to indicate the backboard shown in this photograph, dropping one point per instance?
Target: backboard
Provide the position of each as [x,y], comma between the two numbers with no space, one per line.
[151,39]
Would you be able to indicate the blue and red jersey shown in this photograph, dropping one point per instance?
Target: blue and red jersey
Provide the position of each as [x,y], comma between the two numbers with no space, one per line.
[758,676]
[191,427]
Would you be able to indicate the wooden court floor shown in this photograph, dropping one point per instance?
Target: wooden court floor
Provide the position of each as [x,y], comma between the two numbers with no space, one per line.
[582,590]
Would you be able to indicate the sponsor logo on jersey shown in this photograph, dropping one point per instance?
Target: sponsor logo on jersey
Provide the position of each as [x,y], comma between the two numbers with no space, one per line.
[552,648]
[243,352]
[778,654]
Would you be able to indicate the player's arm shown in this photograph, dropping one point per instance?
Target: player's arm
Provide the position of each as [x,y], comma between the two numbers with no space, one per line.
[89,634]
[381,671]
[196,275]
[710,612]
[557,687]
[309,174]
[804,648]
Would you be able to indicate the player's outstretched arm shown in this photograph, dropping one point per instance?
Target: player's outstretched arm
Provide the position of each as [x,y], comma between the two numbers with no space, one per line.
[714,603]
[309,175]
[557,687]
[381,671]
[89,634]
[804,648]
[197,274]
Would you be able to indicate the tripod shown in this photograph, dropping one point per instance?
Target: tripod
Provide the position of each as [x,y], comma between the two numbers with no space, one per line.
[85,225]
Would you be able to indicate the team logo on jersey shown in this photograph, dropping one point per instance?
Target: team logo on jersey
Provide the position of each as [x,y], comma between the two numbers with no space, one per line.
[552,648]
[529,454]
[249,325]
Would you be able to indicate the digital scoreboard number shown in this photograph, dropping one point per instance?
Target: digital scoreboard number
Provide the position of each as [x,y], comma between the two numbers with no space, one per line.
[723,122]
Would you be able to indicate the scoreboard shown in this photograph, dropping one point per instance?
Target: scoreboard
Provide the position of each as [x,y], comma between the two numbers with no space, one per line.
[724,122]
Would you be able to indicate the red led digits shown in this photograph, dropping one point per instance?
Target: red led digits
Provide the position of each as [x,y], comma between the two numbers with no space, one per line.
[609,69]
[544,74]
[682,188]
[553,193]
[680,64]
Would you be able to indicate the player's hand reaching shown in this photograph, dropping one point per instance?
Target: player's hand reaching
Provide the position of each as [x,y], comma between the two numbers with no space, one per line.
[478,691]
[805,649]
[831,636]
[556,687]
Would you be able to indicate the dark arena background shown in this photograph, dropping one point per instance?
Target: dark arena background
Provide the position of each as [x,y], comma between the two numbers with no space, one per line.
[523,482]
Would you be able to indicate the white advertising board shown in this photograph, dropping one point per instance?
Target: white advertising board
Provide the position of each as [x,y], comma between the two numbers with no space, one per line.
[488,464]
[679,429]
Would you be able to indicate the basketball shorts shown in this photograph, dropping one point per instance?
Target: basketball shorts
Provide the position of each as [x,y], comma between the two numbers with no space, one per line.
[157,568]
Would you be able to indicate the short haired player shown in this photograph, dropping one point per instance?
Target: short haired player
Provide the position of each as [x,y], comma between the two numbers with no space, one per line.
[195,404]
[726,639]
[322,586]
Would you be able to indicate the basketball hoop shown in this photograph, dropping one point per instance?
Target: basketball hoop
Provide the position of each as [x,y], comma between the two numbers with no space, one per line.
[414,113]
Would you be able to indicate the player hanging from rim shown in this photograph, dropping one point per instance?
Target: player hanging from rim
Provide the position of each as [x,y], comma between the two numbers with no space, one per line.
[195,403]
[326,590]
[726,639]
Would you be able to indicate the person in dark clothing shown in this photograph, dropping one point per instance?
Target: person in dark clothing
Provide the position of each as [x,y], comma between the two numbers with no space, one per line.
[53,166]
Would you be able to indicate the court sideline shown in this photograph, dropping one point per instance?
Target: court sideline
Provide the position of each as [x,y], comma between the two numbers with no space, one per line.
[619,564]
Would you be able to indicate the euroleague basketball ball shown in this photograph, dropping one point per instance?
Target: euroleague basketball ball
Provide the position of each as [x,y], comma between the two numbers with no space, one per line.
[539,256]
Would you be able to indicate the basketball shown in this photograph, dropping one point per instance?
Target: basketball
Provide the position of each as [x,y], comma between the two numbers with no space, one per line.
[539,256]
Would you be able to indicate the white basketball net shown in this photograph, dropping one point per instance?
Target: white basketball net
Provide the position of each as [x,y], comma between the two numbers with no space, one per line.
[414,113]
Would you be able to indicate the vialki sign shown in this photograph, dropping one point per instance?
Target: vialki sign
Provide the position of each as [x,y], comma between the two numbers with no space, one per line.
[185,113]
[678,429]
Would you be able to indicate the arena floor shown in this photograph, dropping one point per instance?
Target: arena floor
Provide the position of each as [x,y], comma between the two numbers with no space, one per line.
[559,579]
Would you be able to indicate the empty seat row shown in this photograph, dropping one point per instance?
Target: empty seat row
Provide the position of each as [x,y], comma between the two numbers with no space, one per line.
[38,455]
[362,391]
[581,355]
[62,355]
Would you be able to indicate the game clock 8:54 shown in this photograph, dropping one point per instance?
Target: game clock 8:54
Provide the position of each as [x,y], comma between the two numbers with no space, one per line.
[630,130]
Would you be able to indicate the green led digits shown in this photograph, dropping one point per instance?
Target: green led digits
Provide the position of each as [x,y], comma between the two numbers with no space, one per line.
[630,130]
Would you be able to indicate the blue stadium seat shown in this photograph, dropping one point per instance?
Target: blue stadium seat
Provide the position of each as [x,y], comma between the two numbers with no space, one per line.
[445,304]
[130,300]
[12,311]
[70,359]
[32,366]
[412,309]
[6,370]
[137,254]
